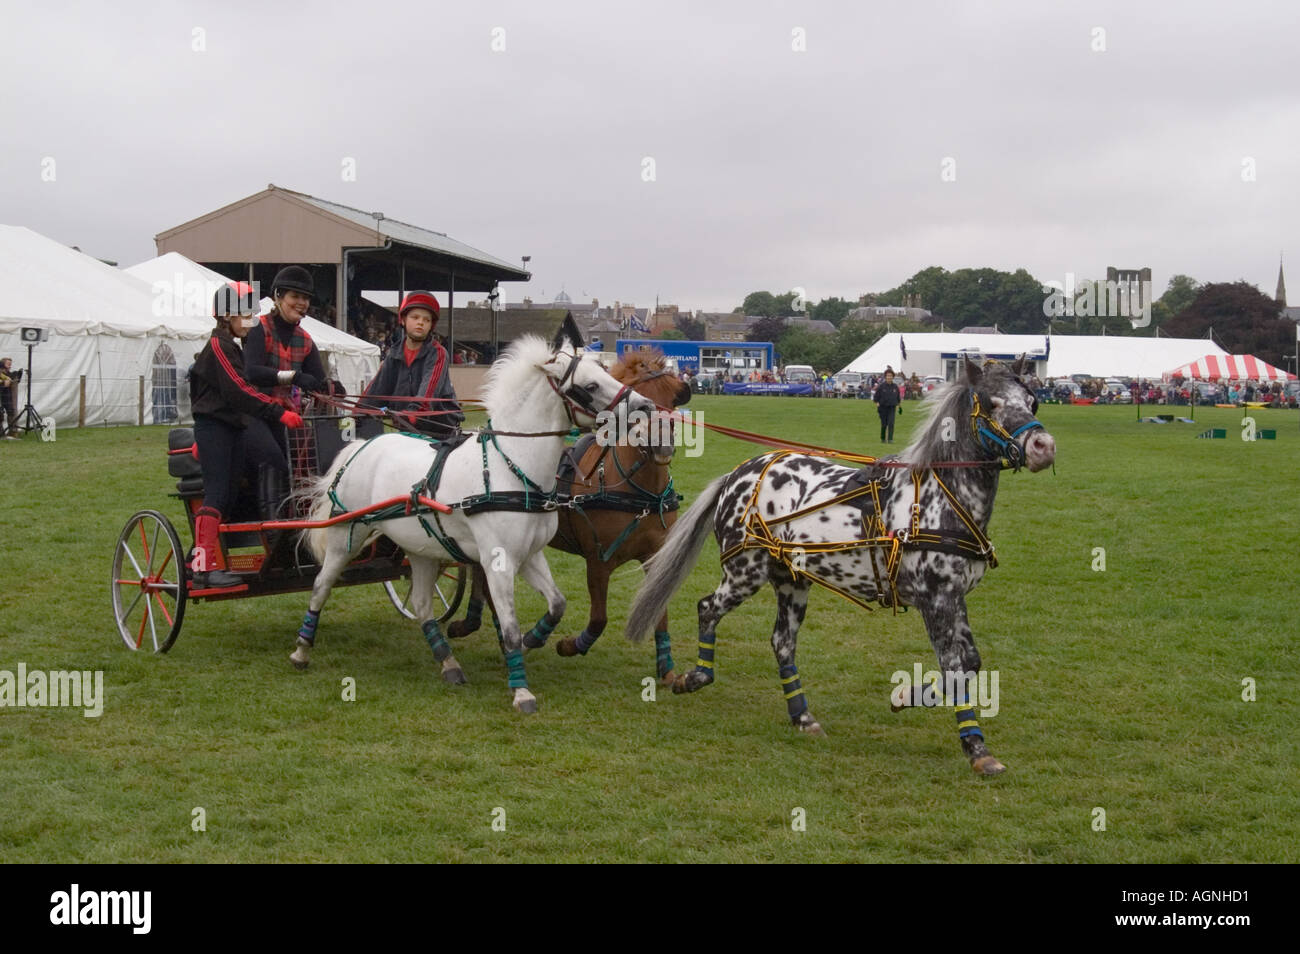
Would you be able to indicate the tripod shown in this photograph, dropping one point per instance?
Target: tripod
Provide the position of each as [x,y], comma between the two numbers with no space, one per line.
[31,421]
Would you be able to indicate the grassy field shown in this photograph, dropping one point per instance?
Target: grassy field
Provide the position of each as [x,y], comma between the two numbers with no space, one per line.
[1119,689]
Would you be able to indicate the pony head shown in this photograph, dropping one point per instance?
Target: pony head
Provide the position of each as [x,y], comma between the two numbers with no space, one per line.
[986,414]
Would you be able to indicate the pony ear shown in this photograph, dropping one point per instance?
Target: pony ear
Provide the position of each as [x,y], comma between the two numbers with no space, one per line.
[973,372]
[1018,367]
[568,331]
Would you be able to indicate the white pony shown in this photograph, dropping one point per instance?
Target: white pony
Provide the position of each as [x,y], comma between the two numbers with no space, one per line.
[535,392]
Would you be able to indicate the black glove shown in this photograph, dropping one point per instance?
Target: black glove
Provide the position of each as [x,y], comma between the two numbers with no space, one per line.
[900,410]
[308,382]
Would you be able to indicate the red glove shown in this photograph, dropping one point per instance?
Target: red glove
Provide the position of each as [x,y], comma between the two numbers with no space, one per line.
[291,419]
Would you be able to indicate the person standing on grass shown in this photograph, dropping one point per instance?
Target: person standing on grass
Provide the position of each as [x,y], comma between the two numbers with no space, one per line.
[887,401]
[8,399]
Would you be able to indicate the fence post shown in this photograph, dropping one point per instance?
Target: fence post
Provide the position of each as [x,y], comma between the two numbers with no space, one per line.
[81,408]
[141,421]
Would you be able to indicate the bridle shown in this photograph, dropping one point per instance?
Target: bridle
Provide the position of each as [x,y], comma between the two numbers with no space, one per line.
[575,398]
[991,436]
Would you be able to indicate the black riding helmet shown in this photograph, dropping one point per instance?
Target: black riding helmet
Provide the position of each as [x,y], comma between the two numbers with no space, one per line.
[293,278]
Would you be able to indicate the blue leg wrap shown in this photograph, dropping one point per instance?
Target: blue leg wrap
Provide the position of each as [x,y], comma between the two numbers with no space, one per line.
[515,667]
[433,636]
[663,653]
[536,637]
[584,642]
[307,631]
[967,725]
[796,703]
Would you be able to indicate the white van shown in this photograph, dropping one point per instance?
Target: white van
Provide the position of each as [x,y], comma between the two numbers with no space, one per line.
[800,374]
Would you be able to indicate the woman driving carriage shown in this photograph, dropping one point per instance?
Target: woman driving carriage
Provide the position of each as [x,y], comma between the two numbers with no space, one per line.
[279,355]
[221,396]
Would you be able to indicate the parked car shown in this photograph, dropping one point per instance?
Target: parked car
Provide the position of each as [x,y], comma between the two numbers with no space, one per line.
[930,382]
[849,383]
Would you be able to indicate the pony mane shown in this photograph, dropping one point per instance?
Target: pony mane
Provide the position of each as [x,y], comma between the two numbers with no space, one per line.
[951,401]
[638,362]
[509,374]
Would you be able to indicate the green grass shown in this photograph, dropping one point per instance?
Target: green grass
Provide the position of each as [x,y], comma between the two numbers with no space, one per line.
[1119,689]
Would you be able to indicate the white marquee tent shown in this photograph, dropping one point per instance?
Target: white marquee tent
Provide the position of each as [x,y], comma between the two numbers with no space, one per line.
[186,288]
[1099,355]
[101,325]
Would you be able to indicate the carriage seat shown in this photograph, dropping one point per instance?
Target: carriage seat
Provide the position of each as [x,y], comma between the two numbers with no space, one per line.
[184,466]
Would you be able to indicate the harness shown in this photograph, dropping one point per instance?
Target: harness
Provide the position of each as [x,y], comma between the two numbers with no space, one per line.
[886,545]
[532,499]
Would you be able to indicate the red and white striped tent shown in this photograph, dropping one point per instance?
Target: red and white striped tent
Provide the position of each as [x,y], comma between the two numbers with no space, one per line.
[1229,367]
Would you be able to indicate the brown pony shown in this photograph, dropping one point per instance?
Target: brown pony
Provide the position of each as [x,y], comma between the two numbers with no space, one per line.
[620,506]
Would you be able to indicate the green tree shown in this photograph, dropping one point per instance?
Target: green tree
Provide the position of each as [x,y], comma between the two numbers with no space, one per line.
[1244,321]
[834,310]
[799,345]
[760,304]
[1179,294]
[672,334]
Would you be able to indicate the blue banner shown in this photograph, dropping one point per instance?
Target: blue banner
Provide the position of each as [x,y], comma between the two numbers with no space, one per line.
[763,387]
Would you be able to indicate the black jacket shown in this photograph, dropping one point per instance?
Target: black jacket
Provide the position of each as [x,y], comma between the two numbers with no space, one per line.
[219,387]
[427,378]
[886,395]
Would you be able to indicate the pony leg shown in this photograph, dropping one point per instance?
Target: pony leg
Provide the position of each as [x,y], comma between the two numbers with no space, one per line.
[742,577]
[950,635]
[424,575]
[336,559]
[791,604]
[501,588]
[538,574]
[598,589]
[461,628]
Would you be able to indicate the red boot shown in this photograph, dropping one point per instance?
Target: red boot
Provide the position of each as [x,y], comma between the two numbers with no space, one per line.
[206,574]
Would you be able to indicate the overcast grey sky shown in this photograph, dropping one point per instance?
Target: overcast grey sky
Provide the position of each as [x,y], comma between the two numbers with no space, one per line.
[773,167]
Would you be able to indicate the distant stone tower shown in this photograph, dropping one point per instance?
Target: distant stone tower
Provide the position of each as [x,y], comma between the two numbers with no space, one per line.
[1281,285]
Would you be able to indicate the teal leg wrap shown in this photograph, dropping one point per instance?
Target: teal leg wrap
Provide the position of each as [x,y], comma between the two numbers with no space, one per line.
[515,666]
[307,631]
[663,653]
[433,636]
[536,637]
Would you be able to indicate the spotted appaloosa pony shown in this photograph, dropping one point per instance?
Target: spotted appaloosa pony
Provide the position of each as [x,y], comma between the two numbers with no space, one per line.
[940,554]
[622,506]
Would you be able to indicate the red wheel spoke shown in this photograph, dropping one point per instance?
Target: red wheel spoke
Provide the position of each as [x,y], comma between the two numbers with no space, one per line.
[166,615]
[143,617]
[166,560]
[144,541]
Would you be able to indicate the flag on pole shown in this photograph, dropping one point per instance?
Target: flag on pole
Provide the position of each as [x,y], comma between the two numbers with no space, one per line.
[902,347]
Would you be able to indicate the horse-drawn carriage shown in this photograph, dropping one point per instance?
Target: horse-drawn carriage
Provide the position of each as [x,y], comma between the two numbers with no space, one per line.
[151,587]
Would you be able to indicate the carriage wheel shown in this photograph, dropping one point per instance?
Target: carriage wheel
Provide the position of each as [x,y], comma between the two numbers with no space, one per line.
[447,592]
[149,582]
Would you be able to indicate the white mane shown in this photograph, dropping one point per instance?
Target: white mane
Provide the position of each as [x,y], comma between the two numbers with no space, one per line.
[510,373]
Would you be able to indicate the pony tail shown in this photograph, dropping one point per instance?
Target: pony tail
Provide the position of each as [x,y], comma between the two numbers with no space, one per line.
[668,569]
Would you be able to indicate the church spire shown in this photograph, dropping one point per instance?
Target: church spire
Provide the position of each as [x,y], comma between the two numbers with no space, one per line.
[1281,284]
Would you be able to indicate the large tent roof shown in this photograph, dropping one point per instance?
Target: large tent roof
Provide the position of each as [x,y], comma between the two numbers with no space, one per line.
[46,284]
[1100,355]
[1233,367]
[191,288]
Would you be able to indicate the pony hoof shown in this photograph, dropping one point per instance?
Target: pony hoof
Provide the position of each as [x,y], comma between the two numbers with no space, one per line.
[812,728]
[299,662]
[460,629]
[567,647]
[668,679]
[454,677]
[987,765]
[526,706]
[532,642]
[679,684]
